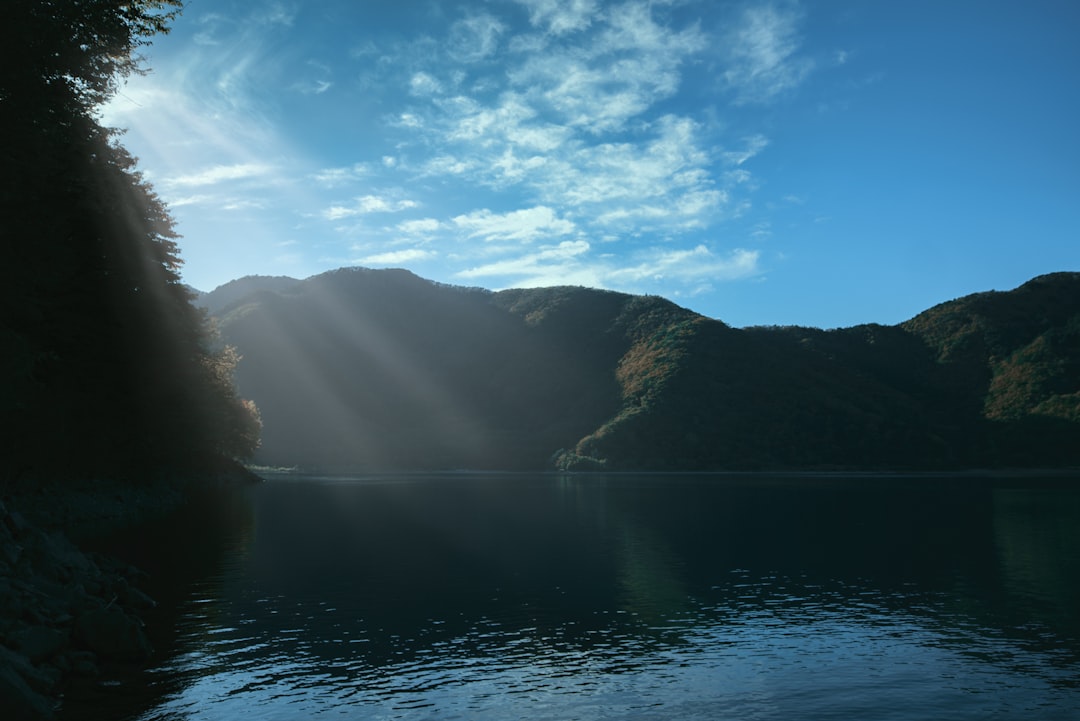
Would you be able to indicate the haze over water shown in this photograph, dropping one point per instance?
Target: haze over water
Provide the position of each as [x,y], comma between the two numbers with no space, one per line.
[617,597]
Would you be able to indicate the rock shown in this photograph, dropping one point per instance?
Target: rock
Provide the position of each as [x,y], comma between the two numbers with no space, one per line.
[16,523]
[83,663]
[39,643]
[62,662]
[11,602]
[19,701]
[62,611]
[113,634]
[39,680]
[10,552]
[135,598]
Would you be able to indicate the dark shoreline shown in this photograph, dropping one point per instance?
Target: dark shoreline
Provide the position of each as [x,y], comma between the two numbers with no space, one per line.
[67,613]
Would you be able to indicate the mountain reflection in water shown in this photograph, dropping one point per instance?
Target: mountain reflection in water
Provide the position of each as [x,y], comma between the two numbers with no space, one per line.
[618,597]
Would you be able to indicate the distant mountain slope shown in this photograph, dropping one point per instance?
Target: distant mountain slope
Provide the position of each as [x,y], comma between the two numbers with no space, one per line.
[1019,355]
[383,370]
[1021,348]
[220,298]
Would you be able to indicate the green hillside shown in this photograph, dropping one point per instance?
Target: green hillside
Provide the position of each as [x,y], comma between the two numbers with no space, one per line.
[384,370]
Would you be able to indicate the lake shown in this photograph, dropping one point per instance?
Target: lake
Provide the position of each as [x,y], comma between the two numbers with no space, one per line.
[507,596]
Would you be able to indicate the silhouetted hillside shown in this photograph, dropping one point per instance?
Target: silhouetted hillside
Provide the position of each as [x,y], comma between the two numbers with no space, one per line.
[384,370]
[219,299]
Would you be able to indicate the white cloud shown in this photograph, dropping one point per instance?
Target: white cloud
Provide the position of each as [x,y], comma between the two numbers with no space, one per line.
[219,174]
[512,169]
[754,145]
[277,14]
[570,263]
[418,227]
[524,225]
[449,165]
[196,199]
[245,204]
[554,263]
[695,264]
[762,60]
[559,17]
[474,38]
[368,204]
[576,125]
[582,127]
[313,87]
[317,81]
[397,257]
[423,84]
[628,66]
[619,179]
[334,177]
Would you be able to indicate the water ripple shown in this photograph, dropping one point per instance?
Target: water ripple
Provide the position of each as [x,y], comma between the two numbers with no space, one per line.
[580,601]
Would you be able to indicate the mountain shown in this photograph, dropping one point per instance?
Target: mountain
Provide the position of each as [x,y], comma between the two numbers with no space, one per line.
[225,295]
[380,369]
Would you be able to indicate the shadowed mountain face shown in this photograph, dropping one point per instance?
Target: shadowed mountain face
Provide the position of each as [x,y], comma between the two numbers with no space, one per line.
[383,370]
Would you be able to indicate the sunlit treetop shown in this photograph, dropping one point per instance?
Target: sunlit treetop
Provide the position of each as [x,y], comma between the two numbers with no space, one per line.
[79,48]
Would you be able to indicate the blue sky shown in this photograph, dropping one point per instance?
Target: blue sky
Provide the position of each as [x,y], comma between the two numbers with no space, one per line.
[819,163]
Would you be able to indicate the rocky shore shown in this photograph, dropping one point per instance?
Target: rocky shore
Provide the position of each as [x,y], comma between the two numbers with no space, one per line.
[65,612]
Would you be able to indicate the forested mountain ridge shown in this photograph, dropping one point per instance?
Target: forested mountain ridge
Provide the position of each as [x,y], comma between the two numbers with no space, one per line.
[360,368]
[1023,345]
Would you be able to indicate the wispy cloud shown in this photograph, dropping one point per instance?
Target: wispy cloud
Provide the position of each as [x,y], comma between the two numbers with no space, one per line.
[368,204]
[518,225]
[698,263]
[559,17]
[197,199]
[526,142]
[396,257]
[422,83]
[421,226]
[573,262]
[335,177]
[220,173]
[551,265]
[576,126]
[474,38]
[762,58]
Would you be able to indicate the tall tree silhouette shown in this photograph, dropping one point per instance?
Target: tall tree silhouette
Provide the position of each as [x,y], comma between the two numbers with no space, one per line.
[109,369]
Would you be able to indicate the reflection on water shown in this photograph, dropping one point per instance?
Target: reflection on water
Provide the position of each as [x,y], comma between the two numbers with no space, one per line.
[627,597]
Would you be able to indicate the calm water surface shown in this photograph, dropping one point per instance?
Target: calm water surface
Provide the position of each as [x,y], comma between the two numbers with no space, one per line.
[614,597]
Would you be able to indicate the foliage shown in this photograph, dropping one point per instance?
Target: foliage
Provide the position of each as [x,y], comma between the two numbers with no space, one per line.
[75,49]
[115,372]
[385,370]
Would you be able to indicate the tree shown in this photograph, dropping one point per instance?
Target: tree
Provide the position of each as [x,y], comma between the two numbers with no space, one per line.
[114,370]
